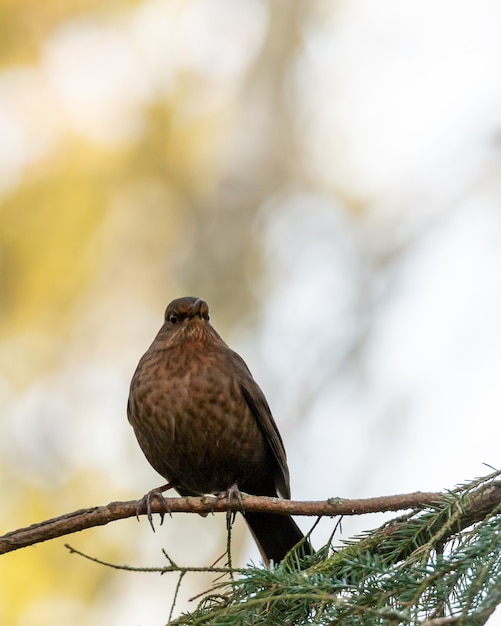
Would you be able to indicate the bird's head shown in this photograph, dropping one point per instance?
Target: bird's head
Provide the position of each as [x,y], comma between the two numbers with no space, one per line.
[185,309]
[187,317]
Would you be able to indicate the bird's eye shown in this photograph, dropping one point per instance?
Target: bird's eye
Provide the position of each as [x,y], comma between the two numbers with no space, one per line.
[173,318]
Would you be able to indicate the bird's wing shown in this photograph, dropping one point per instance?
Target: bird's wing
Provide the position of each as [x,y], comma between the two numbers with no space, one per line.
[261,411]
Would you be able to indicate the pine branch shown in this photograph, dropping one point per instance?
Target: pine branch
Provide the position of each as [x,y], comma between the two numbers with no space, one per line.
[488,498]
[101,515]
[438,564]
[434,566]
[420,533]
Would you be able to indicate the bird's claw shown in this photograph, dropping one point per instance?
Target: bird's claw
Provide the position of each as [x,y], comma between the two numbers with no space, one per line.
[232,493]
[145,504]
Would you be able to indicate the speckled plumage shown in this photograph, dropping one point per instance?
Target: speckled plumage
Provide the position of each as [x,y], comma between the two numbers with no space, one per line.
[204,424]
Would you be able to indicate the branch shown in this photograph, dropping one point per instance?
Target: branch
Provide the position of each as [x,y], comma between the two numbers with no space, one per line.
[98,516]
[101,515]
[420,532]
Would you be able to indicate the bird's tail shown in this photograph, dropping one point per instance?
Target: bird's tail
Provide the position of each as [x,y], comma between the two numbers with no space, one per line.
[275,535]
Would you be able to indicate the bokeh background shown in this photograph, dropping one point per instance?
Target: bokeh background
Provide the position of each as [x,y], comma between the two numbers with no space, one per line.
[325,174]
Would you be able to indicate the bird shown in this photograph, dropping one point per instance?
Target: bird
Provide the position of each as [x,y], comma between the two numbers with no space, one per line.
[204,424]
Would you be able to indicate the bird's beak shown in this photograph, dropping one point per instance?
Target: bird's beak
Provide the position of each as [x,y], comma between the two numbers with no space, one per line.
[200,308]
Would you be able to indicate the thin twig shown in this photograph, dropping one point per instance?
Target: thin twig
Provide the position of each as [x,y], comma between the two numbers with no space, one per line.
[172,567]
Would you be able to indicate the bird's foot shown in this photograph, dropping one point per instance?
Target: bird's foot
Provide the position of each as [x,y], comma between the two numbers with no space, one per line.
[145,503]
[232,493]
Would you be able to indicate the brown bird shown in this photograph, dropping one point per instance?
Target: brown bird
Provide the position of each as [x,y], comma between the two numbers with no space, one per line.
[205,426]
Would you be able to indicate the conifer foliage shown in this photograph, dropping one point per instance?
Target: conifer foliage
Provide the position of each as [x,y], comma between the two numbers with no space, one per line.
[431,567]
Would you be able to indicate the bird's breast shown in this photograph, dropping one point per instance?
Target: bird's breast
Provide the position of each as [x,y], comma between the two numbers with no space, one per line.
[195,426]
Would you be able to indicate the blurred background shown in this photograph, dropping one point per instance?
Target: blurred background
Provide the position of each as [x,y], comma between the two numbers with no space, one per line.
[326,175]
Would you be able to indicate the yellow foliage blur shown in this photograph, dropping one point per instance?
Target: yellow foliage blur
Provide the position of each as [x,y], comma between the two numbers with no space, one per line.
[109,168]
